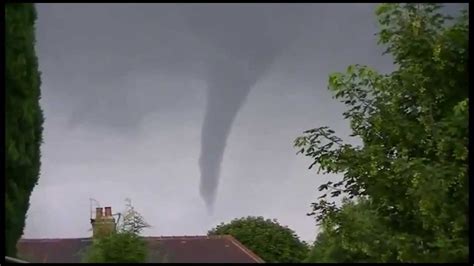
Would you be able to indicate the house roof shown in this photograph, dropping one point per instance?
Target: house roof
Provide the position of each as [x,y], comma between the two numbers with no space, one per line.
[206,249]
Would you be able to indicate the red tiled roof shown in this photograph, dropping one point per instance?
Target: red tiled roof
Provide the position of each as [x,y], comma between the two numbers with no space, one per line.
[206,249]
[52,250]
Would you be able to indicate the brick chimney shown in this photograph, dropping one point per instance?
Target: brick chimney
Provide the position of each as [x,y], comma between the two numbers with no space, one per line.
[98,213]
[104,222]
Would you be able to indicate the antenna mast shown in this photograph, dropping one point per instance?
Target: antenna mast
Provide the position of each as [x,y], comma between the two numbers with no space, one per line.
[97,204]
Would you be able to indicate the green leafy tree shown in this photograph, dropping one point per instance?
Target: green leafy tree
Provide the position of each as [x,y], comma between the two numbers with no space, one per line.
[23,118]
[267,238]
[355,234]
[413,123]
[123,246]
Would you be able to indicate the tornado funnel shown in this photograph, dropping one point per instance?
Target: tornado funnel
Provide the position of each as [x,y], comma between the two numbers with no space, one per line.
[245,40]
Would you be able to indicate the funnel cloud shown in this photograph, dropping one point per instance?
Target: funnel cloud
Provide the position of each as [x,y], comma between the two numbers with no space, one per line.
[228,87]
[246,39]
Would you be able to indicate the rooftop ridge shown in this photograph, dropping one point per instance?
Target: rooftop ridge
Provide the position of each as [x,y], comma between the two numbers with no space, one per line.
[52,239]
[185,237]
[146,237]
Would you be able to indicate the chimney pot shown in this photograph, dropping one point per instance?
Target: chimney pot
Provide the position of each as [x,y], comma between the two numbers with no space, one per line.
[98,213]
[108,211]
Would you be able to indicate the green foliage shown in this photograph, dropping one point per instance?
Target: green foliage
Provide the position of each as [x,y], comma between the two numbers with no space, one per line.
[123,246]
[24,118]
[354,234]
[267,238]
[414,126]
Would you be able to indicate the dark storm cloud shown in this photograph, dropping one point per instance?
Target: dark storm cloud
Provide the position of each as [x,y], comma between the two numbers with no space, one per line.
[237,44]
[97,49]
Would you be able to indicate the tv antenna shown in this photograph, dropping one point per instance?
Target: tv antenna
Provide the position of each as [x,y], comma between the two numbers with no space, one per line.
[97,204]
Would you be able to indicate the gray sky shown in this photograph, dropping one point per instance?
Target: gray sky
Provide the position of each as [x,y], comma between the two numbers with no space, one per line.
[125,88]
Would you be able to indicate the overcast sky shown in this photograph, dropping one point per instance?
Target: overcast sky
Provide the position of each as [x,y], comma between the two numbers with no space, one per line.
[125,92]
